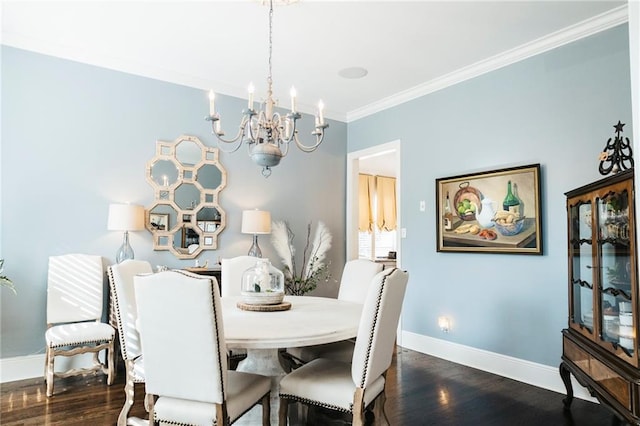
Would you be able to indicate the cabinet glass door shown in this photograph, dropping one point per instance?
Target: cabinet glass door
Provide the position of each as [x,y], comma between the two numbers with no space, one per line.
[581,245]
[614,253]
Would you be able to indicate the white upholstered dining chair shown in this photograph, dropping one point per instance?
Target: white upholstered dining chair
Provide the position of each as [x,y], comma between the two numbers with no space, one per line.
[231,271]
[123,306]
[357,276]
[75,286]
[182,335]
[352,387]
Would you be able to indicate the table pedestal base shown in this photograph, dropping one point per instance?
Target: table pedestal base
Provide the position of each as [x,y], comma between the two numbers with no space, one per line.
[267,363]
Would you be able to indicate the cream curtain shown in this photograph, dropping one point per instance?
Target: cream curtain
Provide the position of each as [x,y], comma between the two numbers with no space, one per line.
[366,188]
[386,196]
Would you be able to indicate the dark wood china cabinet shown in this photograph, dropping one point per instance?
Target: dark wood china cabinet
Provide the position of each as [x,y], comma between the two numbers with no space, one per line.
[600,346]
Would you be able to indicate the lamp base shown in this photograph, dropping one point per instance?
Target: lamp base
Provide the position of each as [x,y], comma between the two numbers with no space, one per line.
[255,248]
[125,251]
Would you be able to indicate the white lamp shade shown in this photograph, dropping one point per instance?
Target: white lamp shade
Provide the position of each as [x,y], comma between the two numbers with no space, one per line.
[256,222]
[125,217]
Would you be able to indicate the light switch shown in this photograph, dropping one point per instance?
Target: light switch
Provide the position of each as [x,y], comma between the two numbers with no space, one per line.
[423,206]
[403,232]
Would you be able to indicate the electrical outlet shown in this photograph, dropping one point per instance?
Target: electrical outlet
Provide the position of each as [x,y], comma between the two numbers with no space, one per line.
[423,205]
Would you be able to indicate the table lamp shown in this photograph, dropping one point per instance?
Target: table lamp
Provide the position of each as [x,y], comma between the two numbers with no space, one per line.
[125,217]
[256,222]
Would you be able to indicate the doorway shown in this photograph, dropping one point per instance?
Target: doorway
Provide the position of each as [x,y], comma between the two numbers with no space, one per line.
[383,160]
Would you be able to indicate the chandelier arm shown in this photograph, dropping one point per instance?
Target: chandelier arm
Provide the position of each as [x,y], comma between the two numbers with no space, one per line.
[311,148]
[268,134]
[290,118]
[241,131]
[284,149]
[232,150]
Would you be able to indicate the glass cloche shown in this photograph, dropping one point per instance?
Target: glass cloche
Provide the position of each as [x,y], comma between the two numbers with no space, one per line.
[263,284]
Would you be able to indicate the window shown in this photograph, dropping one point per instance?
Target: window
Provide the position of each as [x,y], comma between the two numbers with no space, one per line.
[377,216]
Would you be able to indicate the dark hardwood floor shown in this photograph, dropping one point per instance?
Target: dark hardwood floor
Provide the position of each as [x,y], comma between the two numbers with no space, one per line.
[421,390]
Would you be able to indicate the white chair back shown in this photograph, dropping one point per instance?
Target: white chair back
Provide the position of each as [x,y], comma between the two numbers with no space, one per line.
[377,331]
[181,329]
[75,288]
[231,271]
[356,279]
[123,299]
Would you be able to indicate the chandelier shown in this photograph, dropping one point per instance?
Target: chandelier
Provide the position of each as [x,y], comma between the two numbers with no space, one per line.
[267,133]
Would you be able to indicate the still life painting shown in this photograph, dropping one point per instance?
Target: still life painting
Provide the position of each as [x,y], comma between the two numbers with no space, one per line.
[496,211]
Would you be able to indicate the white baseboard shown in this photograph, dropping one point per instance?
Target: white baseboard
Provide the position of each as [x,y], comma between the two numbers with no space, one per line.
[21,367]
[31,366]
[540,375]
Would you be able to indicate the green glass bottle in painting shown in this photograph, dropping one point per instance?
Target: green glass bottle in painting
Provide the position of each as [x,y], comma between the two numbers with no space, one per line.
[511,202]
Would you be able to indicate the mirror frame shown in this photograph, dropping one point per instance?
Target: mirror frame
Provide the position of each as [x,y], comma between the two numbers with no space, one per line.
[165,195]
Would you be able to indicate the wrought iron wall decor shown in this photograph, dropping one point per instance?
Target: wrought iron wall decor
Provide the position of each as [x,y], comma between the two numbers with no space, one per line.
[617,154]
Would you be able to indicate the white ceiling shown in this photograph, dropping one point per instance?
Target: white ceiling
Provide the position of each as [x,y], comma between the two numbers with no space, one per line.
[408,47]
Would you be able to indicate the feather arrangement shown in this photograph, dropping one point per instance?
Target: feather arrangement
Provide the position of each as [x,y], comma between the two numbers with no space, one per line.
[4,280]
[314,269]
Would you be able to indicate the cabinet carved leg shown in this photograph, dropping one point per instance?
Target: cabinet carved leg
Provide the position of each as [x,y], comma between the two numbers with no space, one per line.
[565,374]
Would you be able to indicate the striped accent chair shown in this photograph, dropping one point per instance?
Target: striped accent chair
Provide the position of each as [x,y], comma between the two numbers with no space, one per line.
[75,294]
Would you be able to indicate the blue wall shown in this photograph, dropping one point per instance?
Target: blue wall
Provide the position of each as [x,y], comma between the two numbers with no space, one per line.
[556,109]
[76,138]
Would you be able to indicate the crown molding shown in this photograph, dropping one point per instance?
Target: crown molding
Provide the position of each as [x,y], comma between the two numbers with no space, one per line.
[586,28]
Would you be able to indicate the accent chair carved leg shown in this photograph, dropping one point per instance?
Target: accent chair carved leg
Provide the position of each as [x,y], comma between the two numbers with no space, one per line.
[111,371]
[48,376]
[565,374]
[129,395]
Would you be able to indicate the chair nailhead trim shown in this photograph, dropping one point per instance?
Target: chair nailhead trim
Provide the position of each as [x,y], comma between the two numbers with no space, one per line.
[116,305]
[317,403]
[384,282]
[171,422]
[80,342]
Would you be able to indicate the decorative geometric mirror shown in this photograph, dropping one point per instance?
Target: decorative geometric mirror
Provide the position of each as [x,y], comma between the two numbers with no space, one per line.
[187,178]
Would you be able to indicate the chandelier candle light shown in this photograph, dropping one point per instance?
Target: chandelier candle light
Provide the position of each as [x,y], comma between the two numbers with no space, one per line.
[267,133]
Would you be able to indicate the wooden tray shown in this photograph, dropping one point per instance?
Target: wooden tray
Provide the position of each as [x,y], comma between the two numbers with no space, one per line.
[264,308]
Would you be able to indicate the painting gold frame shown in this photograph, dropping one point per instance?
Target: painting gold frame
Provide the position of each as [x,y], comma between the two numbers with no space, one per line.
[472,230]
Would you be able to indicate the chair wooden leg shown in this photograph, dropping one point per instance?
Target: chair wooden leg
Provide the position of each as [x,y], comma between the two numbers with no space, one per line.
[152,418]
[266,410]
[358,407]
[111,373]
[129,395]
[283,412]
[379,413]
[48,368]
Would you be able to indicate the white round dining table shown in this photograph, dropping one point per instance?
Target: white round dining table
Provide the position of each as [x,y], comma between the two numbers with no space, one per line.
[309,321]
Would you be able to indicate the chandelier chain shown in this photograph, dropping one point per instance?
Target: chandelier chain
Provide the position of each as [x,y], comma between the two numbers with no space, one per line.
[267,133]
[269,78]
